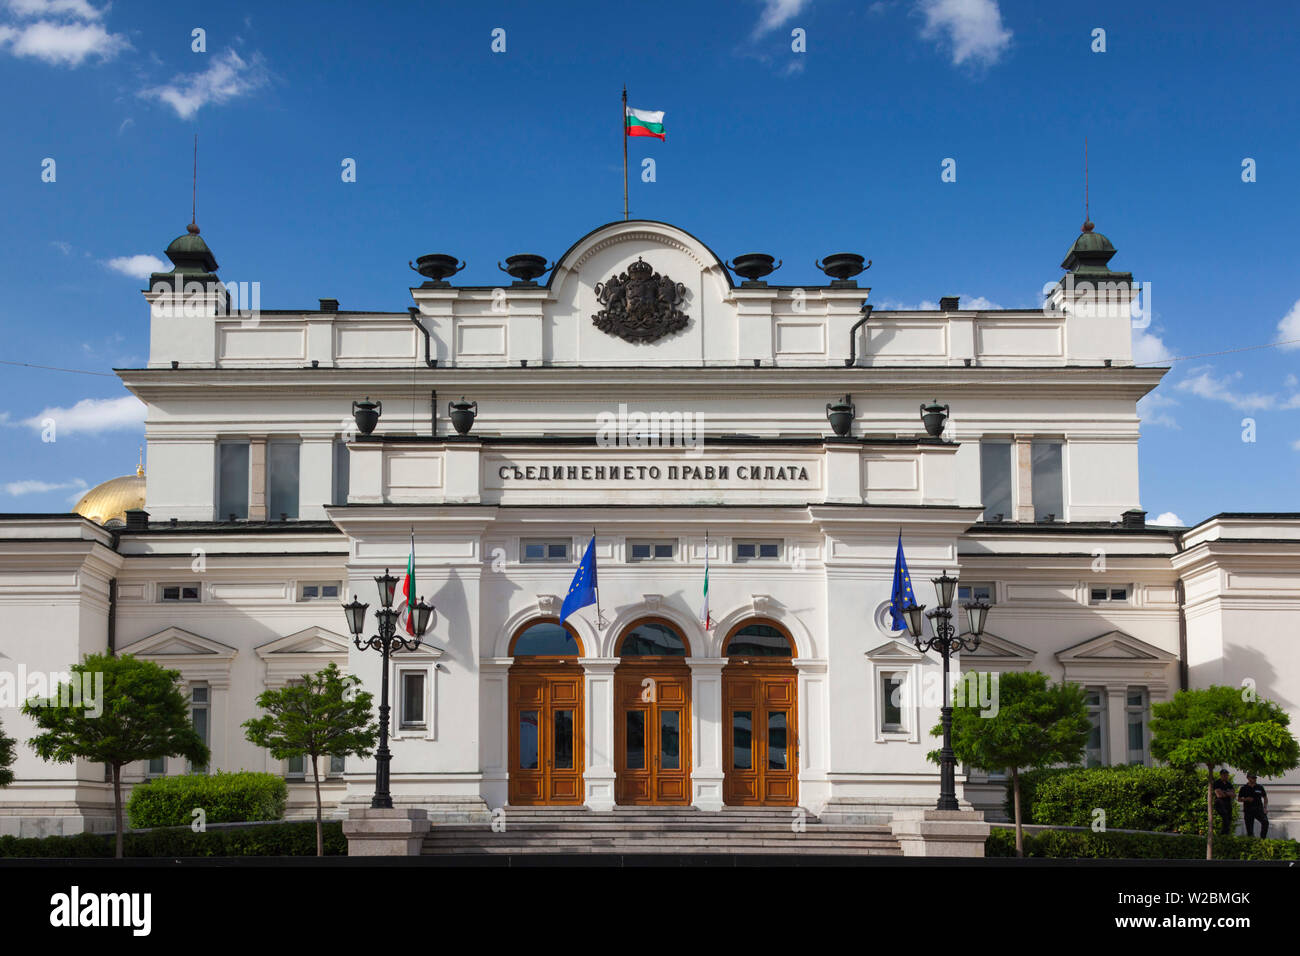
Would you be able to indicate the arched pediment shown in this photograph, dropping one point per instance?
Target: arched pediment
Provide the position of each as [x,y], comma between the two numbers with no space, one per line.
[646,233]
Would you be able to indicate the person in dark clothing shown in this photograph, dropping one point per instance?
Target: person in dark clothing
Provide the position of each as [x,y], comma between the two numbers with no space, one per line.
[1223,801]
[1254,805]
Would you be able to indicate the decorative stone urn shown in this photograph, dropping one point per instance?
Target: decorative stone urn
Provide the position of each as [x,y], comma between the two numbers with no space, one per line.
[366,414]
[462,415]
[840,415]
[525,268]
[752,267]
[437,268]
[842,267]
[934,417]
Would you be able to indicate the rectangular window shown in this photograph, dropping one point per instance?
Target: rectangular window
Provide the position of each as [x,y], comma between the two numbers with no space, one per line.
[1095,751]
[341,473]
[199,717]
[741,742]
[1135,712]
[537,549]
[318,591]
[336,766]
[651,550]
[1108,595]
[528,740]
[891,703]
[1048,485]
[995,480]
[178,592]
[232,480]
[976,592]
[282,479]
[296,767]
[157,767]
[769,550]
[412,699]
[635,731]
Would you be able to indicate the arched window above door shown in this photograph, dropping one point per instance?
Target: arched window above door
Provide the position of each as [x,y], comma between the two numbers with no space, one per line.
[652,639]
[759,639]
[548,638]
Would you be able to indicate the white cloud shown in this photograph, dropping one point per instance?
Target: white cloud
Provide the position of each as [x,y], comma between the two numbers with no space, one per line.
[1149,410]
[137,266]
[1149,348]
[1291,381]
[1205,385]
[63,247]
[976,302]
[1167,519]
[77,9]
[92,415]
[62,44]
[227,76]
[777,12]
[973,28]
[35,486]
[1288,330]
[1296,445]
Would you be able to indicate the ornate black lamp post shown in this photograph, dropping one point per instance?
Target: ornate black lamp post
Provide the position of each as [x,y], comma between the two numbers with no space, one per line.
[946,641]
[386,641]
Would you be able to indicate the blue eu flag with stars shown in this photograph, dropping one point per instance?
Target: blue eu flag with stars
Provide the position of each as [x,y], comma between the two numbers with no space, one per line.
[902,595]
[583,589]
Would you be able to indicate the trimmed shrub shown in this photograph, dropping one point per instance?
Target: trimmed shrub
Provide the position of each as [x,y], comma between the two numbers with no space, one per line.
[279,839]
[224,797]
[1087,845]
[1134,797]
[1030,780]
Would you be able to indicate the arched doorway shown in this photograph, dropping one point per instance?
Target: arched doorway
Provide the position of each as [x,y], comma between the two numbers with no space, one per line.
[760,711]
[546,719]
[652,715]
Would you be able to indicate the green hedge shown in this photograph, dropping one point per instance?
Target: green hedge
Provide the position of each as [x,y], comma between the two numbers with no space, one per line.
[1087,845]
[225,797]
[279,839]
[1134,798]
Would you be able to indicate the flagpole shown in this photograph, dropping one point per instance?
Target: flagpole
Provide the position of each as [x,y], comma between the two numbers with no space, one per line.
[623,131]
[600,621]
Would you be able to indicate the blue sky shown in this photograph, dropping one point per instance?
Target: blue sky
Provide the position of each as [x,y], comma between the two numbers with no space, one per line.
[483,154]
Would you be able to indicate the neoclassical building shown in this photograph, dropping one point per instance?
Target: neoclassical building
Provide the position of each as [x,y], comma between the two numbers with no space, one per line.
[683,417]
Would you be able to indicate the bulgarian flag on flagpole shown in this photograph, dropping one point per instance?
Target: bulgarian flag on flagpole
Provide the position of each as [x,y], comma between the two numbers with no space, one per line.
[644,122]
[704,614]
[408,591]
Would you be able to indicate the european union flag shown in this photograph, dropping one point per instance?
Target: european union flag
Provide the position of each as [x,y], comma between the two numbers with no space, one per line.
[902,595]
[583,589]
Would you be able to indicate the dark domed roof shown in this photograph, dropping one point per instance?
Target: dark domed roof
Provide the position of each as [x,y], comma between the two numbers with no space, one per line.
[190,256]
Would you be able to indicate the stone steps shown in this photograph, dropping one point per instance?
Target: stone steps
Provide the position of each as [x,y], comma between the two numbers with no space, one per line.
[660,830]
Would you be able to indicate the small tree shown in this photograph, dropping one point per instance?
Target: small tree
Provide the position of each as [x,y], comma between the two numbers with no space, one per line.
[1218,726]
[6,758]
[320,717]
[143,715]
[1037,724]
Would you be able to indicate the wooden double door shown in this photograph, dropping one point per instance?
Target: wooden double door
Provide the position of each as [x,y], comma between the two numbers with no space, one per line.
[546,743]
[652,739]
[760,735]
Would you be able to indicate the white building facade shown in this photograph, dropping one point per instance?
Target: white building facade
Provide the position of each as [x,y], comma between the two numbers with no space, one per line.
[644,396]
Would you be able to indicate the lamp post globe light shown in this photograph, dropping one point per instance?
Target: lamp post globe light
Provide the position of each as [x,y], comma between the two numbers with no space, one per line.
[386,642]
[946,641]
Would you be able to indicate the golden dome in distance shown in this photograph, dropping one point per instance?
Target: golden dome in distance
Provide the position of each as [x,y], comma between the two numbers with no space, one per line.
[107,503]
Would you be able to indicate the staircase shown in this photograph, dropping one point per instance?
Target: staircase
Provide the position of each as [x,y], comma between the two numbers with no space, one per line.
[660,830]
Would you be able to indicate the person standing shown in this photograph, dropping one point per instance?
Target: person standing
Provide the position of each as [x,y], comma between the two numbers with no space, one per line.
[1223,801]
[1254,805]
